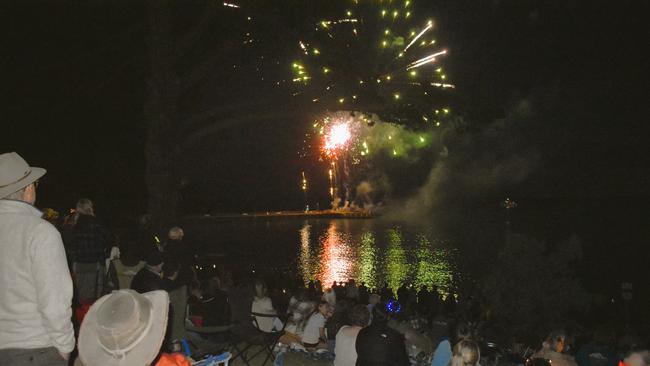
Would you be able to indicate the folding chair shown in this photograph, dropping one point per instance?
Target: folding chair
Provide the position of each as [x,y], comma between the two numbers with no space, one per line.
[199,340]
[258,337]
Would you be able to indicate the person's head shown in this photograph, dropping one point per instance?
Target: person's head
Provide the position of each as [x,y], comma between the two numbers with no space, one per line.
[359,315]
[465,353]
[18,181]
[124,328]
[155,261]
[176,233]
[85,207]
[260,288]
[208,287]
[324,308]
[463,331]
[556,341]
[637,358]
[379,314]
[301,294]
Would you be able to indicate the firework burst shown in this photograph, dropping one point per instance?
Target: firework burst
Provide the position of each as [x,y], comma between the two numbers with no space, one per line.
[377,57]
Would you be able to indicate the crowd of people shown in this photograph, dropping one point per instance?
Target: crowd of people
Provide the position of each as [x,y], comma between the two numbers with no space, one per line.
[135,296]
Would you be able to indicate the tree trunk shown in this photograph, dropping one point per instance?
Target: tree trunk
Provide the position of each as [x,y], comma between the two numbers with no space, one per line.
[161,113]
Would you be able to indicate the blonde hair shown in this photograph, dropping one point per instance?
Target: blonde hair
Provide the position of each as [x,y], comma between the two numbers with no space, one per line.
[466,353]
[85,207]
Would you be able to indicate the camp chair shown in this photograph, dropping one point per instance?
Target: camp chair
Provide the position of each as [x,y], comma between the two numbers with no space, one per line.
[199,337]
[265,340]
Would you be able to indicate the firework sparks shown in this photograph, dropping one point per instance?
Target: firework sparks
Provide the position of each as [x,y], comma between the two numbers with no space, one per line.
[387,47]
[336,139]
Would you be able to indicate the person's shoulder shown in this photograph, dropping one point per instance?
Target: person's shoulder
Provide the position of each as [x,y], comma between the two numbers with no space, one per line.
[44,229]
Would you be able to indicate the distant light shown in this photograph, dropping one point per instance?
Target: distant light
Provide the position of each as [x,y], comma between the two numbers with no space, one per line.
[349,13]
[396,96]
[383,12]
[413,73]
[230,5]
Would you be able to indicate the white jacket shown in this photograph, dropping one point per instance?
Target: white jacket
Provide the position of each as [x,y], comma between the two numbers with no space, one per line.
[35,283]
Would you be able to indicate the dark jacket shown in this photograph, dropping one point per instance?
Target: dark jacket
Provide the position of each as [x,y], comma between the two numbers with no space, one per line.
[379,345]
[146,280]
[215,309]
[87,240]
[179,256]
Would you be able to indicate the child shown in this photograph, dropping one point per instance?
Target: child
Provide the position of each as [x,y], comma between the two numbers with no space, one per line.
[314,334]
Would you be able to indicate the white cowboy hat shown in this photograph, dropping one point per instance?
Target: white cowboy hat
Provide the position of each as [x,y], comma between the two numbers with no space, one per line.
[16,174]
[124,328]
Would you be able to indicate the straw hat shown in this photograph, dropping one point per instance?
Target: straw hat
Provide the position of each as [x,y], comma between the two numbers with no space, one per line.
[16,174]
[124,328]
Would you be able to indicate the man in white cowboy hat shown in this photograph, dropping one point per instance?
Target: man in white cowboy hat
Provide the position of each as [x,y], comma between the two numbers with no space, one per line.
[124,328]
[35,284]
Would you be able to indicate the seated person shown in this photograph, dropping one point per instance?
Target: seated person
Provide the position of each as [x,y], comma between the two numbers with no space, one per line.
[212,307]
[314,334]
[380,345]
[299,310]
[637,358]
[346,354]
[262,305]
[552,349]
[466,353]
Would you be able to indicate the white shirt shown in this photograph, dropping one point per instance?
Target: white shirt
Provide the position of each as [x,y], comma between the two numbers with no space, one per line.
[312,329]
[344,348]
[35,283]
[263,305]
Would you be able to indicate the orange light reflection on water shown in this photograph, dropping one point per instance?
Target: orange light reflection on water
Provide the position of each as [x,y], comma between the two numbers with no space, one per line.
[336,258]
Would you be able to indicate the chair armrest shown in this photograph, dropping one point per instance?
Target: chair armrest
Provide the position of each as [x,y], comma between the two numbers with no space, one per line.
[209,330]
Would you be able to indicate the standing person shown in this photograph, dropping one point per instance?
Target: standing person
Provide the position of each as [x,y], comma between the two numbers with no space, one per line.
[179,256]
[150,277]
[88,238]
[35,283]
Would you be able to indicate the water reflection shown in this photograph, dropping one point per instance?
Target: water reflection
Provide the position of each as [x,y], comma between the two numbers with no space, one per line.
[373,257]
[396,266]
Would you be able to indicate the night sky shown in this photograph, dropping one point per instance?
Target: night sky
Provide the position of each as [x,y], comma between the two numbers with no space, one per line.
[74,86]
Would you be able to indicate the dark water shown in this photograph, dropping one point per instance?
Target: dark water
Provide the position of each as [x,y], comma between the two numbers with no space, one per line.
[431,250]
[368,250]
